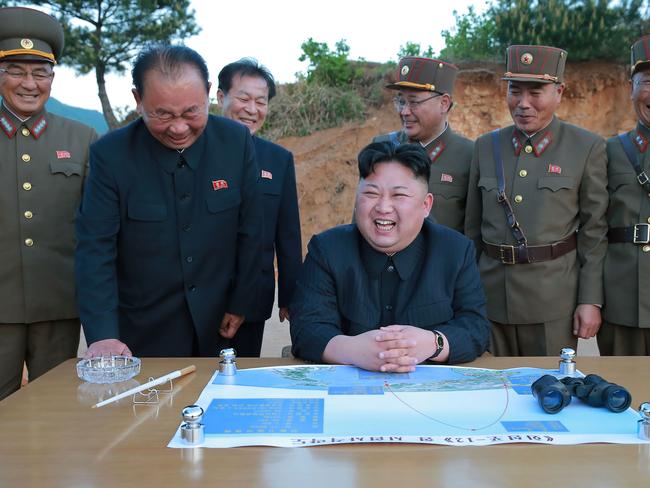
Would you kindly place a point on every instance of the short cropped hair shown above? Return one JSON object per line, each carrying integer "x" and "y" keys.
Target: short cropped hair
{"x": 170, "y": 61}
{"x": 245, "y": 67}
{"x": 413, "y": 156}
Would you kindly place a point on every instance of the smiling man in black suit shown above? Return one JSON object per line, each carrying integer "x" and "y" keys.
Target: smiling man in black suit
{"x": 393, "y": 289}
{"x": 245, "y": 89}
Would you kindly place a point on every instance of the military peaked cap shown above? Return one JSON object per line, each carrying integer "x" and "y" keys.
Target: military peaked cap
{"x": 640, "y": 55}
{"x": 424, "y": 74}
{"x": 29, "y": 35}
{"x": 540, "y": 64}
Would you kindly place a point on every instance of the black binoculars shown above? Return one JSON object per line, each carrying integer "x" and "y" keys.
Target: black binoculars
{"x": 553, "y": 394}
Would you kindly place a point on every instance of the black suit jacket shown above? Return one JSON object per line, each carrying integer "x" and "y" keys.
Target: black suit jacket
{"x": 281, "y": 227}
{"x": 335, "y": 295}
{"x": 168, "y": 247}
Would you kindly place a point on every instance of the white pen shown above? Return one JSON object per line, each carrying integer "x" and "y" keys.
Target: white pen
{"x": 150, "y": 384}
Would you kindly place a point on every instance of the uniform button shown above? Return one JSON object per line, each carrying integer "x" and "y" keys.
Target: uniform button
{"x": 528, "y": 149}
{"x": 389, "y": 307}
{"x": 27, "y": 186}
{"x": 184, "y": 197}
{"x": 28, "y": 214}
{"x": 519, "y": 199}
{"x": 649, "y": 220}
{"x": 646, "y": 248}
{"x": 523, "y": 173}
{"x": 29, "y": 242}
{"x": 26, "y": 157}
{"x": 25, "y": 131}
{"x": 187, "y": 228}
{"x": 189, "y": 259}
{"x": 390, "y": 269}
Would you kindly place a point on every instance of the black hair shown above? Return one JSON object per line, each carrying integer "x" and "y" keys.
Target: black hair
{"x": 245, "y": 67}
{"x": 413, "y": 156}
{"x": 169, "y": 60}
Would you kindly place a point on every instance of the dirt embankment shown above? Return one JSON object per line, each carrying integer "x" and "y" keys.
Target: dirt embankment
{"x": 597, "y": 97}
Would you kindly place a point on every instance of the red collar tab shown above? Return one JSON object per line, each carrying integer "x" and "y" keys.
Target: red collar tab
{"x": 436, "y": 151}
{"x": 7, "y": 126}
{"x": 543, "y": 143}
{"x": 39, "y": 127}
{"x": 640, "y": 141}
{"x": 516, "y": 144}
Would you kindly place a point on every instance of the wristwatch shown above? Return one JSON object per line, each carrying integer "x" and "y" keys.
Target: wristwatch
{"x": 440, "y": 345}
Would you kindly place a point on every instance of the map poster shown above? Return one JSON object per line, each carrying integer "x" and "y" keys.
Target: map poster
{"x": 299, "y": 406}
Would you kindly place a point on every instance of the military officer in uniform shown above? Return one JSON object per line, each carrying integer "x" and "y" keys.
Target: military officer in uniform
{"x": 536, "y": 211}
{"x": 245, "y": 89}
{"x": 424, "y": 89}
{"x": 626, "y": 315}
{"x": 42, "y": 170}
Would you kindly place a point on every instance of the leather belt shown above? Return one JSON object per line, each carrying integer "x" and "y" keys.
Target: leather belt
{"x": 636, "y": 234}
{"x": 508, "y": 254}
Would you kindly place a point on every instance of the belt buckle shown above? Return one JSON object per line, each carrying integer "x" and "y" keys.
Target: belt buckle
{"x": 642, "y": 178}
{"x": 504, "y": 249}
{"x": 640, "y": 240}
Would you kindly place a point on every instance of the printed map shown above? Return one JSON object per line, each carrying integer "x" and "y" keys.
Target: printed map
{"x": 296, "y": 406}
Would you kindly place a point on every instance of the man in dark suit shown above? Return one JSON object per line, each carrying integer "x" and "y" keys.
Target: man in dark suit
{"x": 170, "y": 223}
{"x": 245, "y": 89}
{"x": 394, "y": 289}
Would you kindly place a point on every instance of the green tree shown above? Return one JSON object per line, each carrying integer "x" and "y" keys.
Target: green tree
{"x": 588, "y": 29}
{"x": 471, "y": 38}
{"x": 330, "y": 68}
{"x": 105, "y": 35}
{"x": 414, "y": 49}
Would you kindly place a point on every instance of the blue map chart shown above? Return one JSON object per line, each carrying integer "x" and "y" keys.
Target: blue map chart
{"x": 298, "y": 406}
{"x": 265, "y": 416}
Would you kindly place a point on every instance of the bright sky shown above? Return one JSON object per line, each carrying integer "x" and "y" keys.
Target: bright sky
{"x": 272, "y": 32}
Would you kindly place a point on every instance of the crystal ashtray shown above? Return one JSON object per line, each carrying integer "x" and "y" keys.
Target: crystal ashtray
{"x": 108, "y": 369}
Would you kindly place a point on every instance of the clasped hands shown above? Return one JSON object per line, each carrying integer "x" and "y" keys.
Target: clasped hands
{"x": 390, "y": 349}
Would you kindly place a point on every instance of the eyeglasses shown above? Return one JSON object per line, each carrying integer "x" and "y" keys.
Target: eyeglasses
{"x": 642, "y": 83}
{"x": 166, "y": 117}
{"x": 18, "y": 74}
{"x": 401, "y": 103}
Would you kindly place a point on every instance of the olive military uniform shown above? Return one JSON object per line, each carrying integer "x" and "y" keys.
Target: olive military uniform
{"x": 627, "y": 265}
{"x": 451, "y": 155}
{"x": 555, "y": 181}
{"x": 626, "y": 315}
{"x": 42, "y": 172}
{"x": 42, "y": 168}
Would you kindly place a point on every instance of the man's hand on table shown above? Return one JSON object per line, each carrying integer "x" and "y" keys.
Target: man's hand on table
{"x": 366, "y": 350}
{"x": 107, "y": 347}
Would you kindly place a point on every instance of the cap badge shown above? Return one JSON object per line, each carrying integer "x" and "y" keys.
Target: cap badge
{"x": 526, "y": 58}
{"x": 405, "y": 70}
{"x": 26, "y": 43}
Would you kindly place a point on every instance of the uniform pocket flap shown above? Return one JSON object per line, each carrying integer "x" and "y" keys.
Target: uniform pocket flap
{"x": 269, "y": 190}
{"x": 487, "y": 183}
{"x": 68, "y": 168}
{"x": 223, "y": 200}
{"x": 448, "y": 190}
{"x": 148, "y": 212}
{"x": 555, "y": 183}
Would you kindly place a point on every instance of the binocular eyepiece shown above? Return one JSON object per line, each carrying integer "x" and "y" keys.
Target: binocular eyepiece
{"x": 553, "y": 394}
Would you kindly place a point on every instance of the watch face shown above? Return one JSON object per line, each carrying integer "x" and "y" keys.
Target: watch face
{"x": 440, "y": 345}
